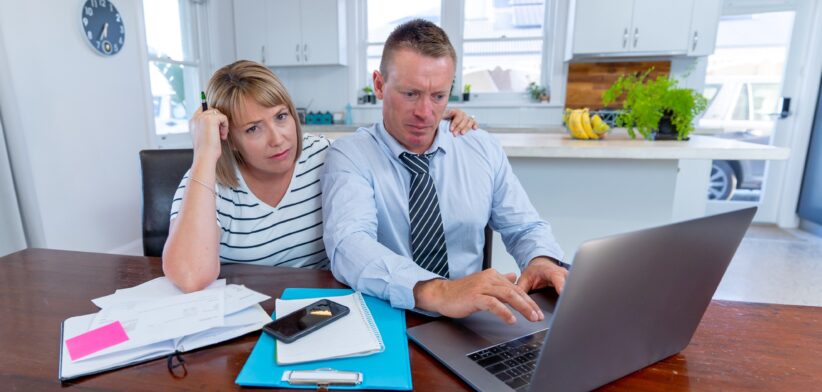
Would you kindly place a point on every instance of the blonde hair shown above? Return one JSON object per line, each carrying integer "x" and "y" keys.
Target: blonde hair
{"x": 225, "y": 92}
{"x": 422, "y": 37}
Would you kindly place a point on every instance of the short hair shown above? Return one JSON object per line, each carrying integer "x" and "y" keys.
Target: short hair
{"x": 420, "y": 36}
{"x": 225, "y": 92}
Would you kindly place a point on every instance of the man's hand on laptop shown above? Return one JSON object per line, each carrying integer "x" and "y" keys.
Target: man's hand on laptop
{"x": 542, "y": 272}
{"x": 487, "y": 290}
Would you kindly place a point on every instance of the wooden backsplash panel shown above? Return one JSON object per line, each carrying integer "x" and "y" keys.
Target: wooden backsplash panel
{"x": 587, "y": 81}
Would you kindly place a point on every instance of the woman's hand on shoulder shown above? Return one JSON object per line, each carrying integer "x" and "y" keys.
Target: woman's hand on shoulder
{"x": 207, "y": 130}
{"x": 461, "y": 122}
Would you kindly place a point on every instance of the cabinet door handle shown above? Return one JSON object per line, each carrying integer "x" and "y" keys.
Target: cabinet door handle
{"x": 696, "y": 40}
{"x": 305, "y": 52}
{"x": 624, "y": 37}
{"x": 636, "y": 36}
{"x": 262, "y": 54}
{"x": 297, "y": 52}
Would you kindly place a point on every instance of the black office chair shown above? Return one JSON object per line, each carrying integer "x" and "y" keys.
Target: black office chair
{"x": 486, "y": 250}
{"x": 162, "y": 171}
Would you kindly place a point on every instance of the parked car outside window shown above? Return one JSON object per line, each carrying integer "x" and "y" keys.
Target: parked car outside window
{"x": 741, "y": 108}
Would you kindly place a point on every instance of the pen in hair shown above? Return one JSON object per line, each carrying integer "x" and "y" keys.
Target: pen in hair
{"x": 203, "y": 100}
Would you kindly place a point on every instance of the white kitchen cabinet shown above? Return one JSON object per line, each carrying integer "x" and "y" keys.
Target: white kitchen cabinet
{"x": 601, "y": 27}
{"x": 661, "y": 26}
{"x": 704, "y": 25}
{"x": 250, "y": 29}
{"x": 291, "y": 32}
{"x": 625, "y": 28}
{"x": 323, "y": 31}
{"x": 283, "y": 35}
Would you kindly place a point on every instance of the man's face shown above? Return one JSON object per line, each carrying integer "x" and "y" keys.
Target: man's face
{"x": 414, "y": 96}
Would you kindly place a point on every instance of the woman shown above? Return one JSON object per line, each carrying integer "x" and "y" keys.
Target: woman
{"x": 255, "y": 168}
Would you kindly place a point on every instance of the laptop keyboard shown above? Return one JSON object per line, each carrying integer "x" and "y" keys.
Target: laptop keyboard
{"x": 514, "y": 361}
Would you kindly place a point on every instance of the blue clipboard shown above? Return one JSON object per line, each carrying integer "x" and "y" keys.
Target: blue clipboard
{"x": 390, "y": 369}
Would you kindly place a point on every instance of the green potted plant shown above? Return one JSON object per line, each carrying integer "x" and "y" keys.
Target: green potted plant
{"x": 537, "y": 92}
{"x": 657, "y": 108}
{"x": 369, "y": 95}
{"x": 466, "y": 92}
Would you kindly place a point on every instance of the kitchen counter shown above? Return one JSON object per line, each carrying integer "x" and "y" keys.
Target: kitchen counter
{"x": 334, "y": 128}
{"x": 620, "y": 146}
{"x": 331, "y": 129}
{"x": 617, "y": 145}
{"x": 555, "y": 129}
{"x": 593, "y": 188}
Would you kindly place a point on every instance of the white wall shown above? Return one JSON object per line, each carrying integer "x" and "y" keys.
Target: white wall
{"x": 74, "y": 122}
{"x": 12, "y": 238}
{"x": 220, "y": 25}
{"x": 318, "y": 88}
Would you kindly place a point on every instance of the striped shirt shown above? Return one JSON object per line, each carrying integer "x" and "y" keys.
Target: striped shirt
{"x": 286, "y": 235}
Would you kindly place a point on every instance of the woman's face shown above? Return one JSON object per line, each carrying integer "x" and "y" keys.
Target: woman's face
{"x": 266, "y": 137}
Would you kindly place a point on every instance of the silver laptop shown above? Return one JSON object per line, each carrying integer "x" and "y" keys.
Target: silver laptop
{"x": 630, "y": 300}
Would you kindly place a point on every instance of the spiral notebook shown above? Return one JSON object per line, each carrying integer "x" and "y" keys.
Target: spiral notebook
{"x": 355, "y": 334}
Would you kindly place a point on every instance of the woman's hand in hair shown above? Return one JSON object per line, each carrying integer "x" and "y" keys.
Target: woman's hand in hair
{"x": 461, "y": 122}
{"x": 207, "y": 130}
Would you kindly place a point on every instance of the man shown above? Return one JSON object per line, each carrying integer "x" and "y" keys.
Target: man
{"x": 405, "y": 203}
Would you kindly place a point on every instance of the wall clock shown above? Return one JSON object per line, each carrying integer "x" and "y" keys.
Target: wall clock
{"x": 103, "y": 26}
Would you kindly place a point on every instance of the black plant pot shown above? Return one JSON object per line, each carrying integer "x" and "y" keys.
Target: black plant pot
{"x": 466, "y": 97}
{"x": 372, "y": 98}
{"x": 667, "y": 130}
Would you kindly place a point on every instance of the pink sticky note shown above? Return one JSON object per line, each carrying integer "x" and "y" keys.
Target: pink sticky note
{"x": 96, "y": 340}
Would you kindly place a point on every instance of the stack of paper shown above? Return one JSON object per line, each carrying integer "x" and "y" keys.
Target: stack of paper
{"x": 156, "y": 319}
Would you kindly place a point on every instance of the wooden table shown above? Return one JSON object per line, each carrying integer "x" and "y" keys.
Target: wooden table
{"x": 738, "y": 346}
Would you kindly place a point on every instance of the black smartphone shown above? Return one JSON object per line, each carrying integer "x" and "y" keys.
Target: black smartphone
{"x": 306, "y": 320}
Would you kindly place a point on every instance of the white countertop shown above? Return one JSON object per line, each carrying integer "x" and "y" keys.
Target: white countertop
{"x": 323, "y": 129}
{"x": 535, "y": 145}
{"x": 617, "y": 145}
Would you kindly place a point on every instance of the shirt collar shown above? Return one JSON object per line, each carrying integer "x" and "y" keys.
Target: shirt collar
{"x": 443, "y": 141}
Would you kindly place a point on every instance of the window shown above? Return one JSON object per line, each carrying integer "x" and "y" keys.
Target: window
{"x": 718, "y": 102}
{"x": 742, "y": 108}
{"x": 502, "y": 44}
{"x": 385, "y": 15}
{"x": 173, "y": 63}
{"x": 499, "y": 44}
{"x": 765, "y": 98}
{"x": 709, "y": 92}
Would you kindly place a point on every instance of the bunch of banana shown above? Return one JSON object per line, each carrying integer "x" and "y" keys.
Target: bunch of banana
{"x": 584, "y": 126}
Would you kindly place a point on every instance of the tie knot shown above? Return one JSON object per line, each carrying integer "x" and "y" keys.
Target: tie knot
{"x": 416, "y": 164}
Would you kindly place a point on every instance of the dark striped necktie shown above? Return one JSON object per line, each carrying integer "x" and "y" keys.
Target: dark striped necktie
{"x": 427, "y": 236}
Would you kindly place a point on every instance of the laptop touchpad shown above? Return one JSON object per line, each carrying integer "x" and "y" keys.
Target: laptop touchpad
{"x": 491, "y": 327}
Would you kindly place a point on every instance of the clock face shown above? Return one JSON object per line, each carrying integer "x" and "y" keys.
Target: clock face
{"x": 103, "y": 26}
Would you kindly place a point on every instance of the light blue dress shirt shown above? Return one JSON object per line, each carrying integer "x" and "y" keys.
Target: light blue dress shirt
{"x": 365, "y": 210}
